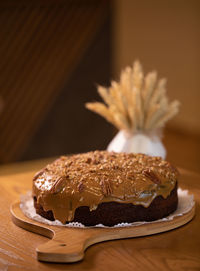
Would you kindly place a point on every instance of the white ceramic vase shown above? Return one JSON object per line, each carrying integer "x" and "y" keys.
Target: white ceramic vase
{"x": 138, "y": 143}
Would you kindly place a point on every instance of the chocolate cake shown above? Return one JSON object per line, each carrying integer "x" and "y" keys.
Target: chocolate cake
{"x": 106, "y": 188}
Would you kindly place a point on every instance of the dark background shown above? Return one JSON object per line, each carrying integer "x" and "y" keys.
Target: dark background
{"x": 53, "y": 54}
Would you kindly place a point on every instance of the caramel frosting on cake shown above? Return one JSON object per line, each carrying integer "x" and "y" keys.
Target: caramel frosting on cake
{"x": 91, "y": 178}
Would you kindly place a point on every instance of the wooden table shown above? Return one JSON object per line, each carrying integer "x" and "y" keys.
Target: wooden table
{"x": 175, "y": 250}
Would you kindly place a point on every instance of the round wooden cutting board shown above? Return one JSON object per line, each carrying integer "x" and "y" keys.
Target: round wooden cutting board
{"x": 69, "y": 244}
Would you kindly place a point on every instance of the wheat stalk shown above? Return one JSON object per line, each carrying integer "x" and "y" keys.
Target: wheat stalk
{"x": 136, "y": 102}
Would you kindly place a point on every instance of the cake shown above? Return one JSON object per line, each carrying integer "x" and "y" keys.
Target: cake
{"x": 106, "y": 188}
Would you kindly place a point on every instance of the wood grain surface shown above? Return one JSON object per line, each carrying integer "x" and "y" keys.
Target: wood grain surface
{"x": 174, "y": 250}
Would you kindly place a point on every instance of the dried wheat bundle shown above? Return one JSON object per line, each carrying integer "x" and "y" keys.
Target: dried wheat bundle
{"x": 136, "y": 103}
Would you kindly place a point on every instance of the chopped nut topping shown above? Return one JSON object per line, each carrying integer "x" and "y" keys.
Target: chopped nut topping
{"x": 104, "y": 171}
{"x": 106, "y": 187}
{"x": 58, "y": 185}
{"x": 38, "y": 174}
{"x": 151, "y": 175}
{"x": 80, "y": 187}
{"x": 88, "y": 160}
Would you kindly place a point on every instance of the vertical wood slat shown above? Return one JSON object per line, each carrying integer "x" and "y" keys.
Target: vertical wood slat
{"x": 39, "y": 53}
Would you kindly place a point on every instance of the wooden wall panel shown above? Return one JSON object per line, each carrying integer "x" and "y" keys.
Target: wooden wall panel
{"x": 41, "y": 44}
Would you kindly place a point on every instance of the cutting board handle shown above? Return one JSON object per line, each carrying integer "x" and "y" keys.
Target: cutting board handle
{"x": 63, "y": 247}
{"x": 69, "y": 246}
